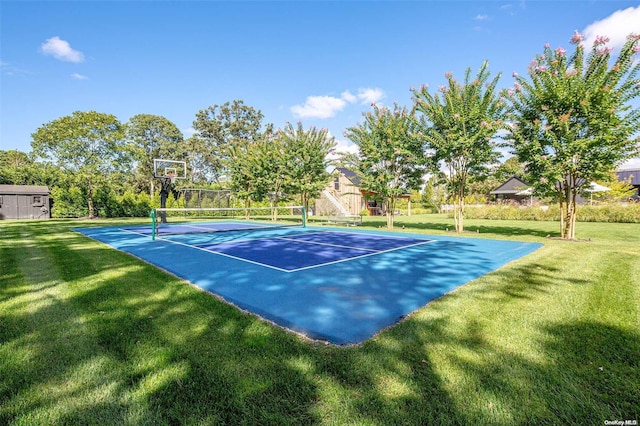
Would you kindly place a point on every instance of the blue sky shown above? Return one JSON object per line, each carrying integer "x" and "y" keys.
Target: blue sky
{"x": 321, "y": 63}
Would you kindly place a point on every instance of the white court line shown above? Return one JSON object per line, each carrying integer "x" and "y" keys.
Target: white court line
{"x": 364, "y": 255}
{"x": 245, "y": 240}
{"x": 223, "y": 254}
{"x": 374, "y": 253}
{"x": 324, "y": 244}
{"x": 134, "y": 232}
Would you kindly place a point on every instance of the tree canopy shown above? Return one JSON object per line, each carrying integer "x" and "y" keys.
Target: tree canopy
{"x": 459, "y": 125}
{"x": 219, "y": 128}
{"x": 571, "y": 120}
{"x": 153, "y": 136}
{"x": 87, "y": 145}
{"x": 307, "y": 152}
{"x": 391, "y": 155}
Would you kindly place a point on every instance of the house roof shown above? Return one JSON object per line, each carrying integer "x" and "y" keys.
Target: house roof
{"x": 351, "y": 175}
{"x": 511, "y": 186}
{"x": 23, "y": 190}
{"x": 634, "y": 174}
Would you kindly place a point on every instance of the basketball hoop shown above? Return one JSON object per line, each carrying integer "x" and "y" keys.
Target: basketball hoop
{"x": 172, "y": 178}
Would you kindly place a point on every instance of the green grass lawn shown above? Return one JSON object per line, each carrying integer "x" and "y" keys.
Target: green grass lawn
{"x": 90, "y": 335}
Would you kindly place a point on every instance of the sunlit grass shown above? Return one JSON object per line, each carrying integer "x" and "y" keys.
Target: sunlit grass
{"x": 89, "y": 335}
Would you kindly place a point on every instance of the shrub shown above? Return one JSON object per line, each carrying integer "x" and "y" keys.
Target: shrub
{"x": 68, "y": 201}
{"x": 613, "y": 212}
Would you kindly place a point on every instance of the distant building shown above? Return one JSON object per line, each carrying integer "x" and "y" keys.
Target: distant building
{"x": 24, "y": 202}
{"x": 344, "y": 196}
{"x": 632, "y": 176}
{"x": 514, "y": 189}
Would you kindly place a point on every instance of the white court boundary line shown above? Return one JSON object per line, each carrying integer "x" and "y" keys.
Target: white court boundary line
{"x": 364, "y": 255}
{"x": 373, "y": 252}
{"x": 323, "y": 244}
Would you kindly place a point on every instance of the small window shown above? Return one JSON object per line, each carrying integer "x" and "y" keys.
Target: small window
{"x": 37, "y": 200}
{"x": 336, "y": 184}
{"x": 0, "y": 199}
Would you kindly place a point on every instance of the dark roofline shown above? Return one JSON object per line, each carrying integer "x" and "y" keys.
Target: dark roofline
{"x": 511, "y": 189}
{"x": 351, "y": 175}
{"x": 24, "y": 189}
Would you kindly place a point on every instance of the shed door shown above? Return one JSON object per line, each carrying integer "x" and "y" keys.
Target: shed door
{"x": 25, "y": 211}
{"x": 9, "y": 207}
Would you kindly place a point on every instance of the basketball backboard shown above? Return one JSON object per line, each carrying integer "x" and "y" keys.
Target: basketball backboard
{"x": 169, "y": 169}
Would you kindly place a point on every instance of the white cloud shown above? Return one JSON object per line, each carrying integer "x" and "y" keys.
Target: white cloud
{"x": 343, "y": 147}
{"x": 481, "y": 17}
{"x": 329, "y": 106}
{"x": 617, "y": 27}
{"x": 348, "y": 96}
{"x": 77, "y": 76}
{"x": 370, "y": 95}
{"x": 319, "y": 107}
{"x": 61, "y": 50}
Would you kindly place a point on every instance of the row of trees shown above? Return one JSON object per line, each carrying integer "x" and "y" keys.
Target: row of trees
{"x": 569, "y": 122}
{"x": 93, "y": 151}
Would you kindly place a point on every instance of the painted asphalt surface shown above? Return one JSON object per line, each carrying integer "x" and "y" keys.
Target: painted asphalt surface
{"x": 329, "y": 284}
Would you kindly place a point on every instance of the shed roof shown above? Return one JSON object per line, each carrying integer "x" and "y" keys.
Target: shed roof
{"x": 24, "y": 190}
{"x": 351, "y": 175}
{"x": 511, "y": 186}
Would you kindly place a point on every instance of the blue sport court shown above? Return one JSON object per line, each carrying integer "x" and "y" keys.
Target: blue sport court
{"x": 341, "y": 286}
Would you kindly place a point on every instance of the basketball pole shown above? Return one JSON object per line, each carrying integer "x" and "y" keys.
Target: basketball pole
{"x": 167, "y": 182}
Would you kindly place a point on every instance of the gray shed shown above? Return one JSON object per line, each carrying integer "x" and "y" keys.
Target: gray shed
{"x": 24, "y": 202}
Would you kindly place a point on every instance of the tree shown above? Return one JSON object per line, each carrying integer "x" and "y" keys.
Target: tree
{"x": 306, "y": 157}
{"x": 391, "y": 156}
{"x": 246, "y": 171}
{"x": 571, "y": 121}
{"x": 459, "y": 126}
{"x": 88, "y": 145}
{"x": 153, "y": 136}
{"x": 218, "y": 128}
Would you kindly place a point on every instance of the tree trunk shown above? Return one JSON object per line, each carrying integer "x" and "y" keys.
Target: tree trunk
{"x": 90, "y": 201}
{"x": 390, "y": 207}
{"x": 568, "y": 213}
{"x": 458, "y": 213}
{"x": 458, "y": 208}
{"x": 562, "y": 216}
{"x": 304, "y": 199}
{"x": 571, "y": 217}
{"x": 247, "y": 205}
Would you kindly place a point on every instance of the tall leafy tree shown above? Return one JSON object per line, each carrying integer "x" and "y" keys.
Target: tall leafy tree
{"x": 459, "y": 125}
{"x": 88, "y": 145}
{"x": 153, "y": 136}
{"x": 246, "y": 170}
{"x": 572, "y": 122}
{"x": 391, "y": 154}
{"x": 306, "y": 157}
{"x": 272, "y": 166}
{"x": 219, "y": 128}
